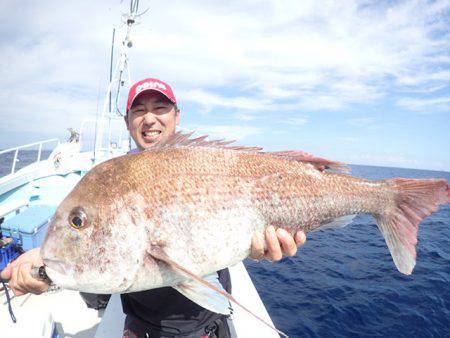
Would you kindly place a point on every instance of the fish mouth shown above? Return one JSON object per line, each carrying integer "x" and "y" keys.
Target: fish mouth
{"x": 55, "y": 265}
{"x": 59, "y": 274}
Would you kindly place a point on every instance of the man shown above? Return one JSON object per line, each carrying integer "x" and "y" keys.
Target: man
{"x": 152, "y": 117}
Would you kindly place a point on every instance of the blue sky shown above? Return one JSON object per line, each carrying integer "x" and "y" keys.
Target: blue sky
{"x": 363, "y": 82}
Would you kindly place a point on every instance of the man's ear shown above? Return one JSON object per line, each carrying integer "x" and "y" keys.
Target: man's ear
{"x": 177, "y": 116}
{"x": 126, "y": 121}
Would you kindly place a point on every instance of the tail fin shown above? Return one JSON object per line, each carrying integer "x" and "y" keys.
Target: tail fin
{"x": 415, "y": 200}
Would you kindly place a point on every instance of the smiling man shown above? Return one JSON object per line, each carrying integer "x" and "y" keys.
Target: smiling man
{"x": 152, "y": 112}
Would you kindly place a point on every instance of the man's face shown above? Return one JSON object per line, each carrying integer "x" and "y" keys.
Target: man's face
{"x": 152, "y": 118}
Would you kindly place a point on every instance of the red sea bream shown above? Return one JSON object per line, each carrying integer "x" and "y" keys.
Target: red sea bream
{"x": 189, "y": 207}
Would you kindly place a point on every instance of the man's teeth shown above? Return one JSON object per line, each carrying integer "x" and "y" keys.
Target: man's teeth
{"x": 151, "y": 133}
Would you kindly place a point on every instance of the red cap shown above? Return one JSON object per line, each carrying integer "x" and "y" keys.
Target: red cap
{"x": 150, "y": 84}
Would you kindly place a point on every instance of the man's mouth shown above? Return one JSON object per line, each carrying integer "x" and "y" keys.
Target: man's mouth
{"x": 151, "y": 135}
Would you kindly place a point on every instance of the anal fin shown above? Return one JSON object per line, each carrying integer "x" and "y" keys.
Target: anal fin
{"x": 157, "y": 252}
{"x": 205, "y": 296}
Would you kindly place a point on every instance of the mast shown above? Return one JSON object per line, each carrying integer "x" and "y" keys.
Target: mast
{"x": 111, "y": 64}
{"x": 118, "y": 78}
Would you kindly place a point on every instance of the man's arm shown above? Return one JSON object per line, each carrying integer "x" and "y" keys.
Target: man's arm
{"x": 278, "y": 242}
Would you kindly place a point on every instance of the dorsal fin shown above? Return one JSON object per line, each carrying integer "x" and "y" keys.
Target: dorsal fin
{"x": 180, "y": 139}
{"x": 318, "y": 162}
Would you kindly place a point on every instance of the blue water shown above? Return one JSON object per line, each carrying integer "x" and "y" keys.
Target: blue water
{"x": 343, "y": 282}
{"x": 24, "y": 158}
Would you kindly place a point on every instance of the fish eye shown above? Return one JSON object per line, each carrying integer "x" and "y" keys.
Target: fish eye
{"x": 78, "y": 219}
{"x": 77, "y": 222}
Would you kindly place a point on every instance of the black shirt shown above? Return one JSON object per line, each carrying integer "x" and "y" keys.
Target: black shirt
{"x": 165, "y": 310}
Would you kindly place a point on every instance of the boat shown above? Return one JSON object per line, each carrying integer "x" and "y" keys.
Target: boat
{"x": 29, "y": 197}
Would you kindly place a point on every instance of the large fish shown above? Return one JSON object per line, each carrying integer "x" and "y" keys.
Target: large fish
{"x": 184, "y": 209}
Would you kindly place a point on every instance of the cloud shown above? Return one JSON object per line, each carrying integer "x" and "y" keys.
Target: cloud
{"x": 210, "y": 100}
{"x": 361, "y": 121}
{"x": 428, "y": 77}
{"x": 244, "y": 116}
{"x": 319, "y": 56}
{"x": 37, "y": 110}
{"x": 295, "y": 121}
{"x": 428, "y": 104}
{"x": 229, "y": 132}
{"x": 389, "y": 160}
{"x": 427, "y": 89}
{"x": 242, "y": 57}
{"x": 347, "y": 139}
{"x": 322, "y": 58}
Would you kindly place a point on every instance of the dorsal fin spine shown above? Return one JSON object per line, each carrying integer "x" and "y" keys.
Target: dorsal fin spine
{"x": 180, "y": 139}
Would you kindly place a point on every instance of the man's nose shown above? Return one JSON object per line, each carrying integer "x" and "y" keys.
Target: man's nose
{"x": 149, "y": 117}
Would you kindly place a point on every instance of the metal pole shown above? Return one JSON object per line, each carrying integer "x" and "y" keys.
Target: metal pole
{"x": 39, "y": 152}
{"x": 111, "y": 65}
{"x": 14, "y": 161}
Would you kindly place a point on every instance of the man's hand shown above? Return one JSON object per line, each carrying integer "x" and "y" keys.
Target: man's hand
{"x": 278, "y": 242}
{"x": 19, "y": 274}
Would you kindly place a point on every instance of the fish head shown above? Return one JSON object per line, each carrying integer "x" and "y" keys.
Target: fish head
{"x": 94, "y": 243}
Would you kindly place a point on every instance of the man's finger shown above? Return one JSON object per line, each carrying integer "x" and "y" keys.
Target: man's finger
{"x": 300, "y": 238}
{"x": 22, "y": 275}
{"x": 257, "y": 249}
{"x": 273, "y": 246}
{"x": 287, "y": 242}
{"x": 6, "y": 273}
{"x": 29, "y": 284}
{"x": 13, "y": 283}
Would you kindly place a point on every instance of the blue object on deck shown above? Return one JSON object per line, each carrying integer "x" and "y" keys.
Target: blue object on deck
{"x": 29, "y": 227}
{"x": 55, "y": 333}
{"x": 8, "y": 253}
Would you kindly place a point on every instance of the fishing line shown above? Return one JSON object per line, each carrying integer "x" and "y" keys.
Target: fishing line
{"x": 8, "y": 300}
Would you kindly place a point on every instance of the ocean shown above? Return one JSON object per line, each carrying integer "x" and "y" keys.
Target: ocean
{"x": 24, "y": 158}
{"x": 343, "y": 282}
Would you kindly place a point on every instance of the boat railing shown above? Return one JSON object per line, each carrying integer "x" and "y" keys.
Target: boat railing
{"x": 115, "y": 136}
{"x": 16, "y": 150}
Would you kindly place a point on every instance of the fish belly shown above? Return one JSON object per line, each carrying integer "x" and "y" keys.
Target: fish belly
{"x": 199, "y": 239}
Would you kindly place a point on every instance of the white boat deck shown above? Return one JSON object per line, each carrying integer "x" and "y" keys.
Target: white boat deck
{"x": 38, "y": 315}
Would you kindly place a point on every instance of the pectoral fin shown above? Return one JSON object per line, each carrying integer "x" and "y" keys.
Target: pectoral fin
{"x": 157, "y": 252}
{"x": 204, "y": 296}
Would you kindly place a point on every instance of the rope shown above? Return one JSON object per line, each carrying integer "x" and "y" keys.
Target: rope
{"x": 8, "y": 299}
